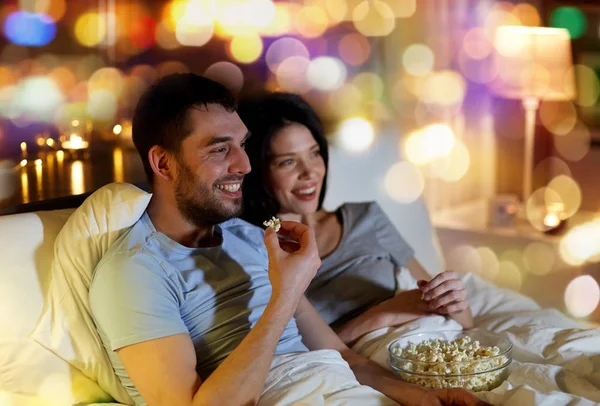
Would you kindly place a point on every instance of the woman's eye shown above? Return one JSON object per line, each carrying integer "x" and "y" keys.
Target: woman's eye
{"x": 286, "y": 162}
{"x": 315, "y": 153}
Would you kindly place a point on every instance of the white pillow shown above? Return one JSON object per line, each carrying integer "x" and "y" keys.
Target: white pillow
{"x": 66, "y": 326}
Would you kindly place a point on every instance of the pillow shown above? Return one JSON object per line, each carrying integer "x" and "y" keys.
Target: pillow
{"x": 66, "y": 327}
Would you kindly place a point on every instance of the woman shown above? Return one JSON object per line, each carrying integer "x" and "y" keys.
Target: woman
{"x": 359, "y": 247}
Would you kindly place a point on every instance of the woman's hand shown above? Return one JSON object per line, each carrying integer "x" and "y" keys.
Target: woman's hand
{"x": 444, "y": 294}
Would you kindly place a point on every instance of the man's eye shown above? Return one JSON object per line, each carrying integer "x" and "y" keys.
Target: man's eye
{"x": 220, "y": 150}
{"x": 286, "y": 162}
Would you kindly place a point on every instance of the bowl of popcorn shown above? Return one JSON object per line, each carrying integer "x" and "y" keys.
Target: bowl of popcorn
{"x": 476, "y": 360}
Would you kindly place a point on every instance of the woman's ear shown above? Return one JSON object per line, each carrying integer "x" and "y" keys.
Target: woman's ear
{"x": 161, "y": 162}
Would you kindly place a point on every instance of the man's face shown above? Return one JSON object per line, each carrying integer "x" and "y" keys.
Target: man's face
{"x": 211, "y": 165}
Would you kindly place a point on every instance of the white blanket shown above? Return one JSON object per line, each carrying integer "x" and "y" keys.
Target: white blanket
{"x": 556, "y": 360}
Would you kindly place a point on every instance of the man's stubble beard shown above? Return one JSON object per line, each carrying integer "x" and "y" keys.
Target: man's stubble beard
{"x": 198, "y": 204}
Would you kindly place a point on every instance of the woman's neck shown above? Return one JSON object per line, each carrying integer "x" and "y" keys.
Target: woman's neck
{"x": 311, "y": 219}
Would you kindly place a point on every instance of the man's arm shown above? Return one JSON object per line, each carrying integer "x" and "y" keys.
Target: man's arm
{"x": 164, "y": 370}
{"x": 317, "y": 335}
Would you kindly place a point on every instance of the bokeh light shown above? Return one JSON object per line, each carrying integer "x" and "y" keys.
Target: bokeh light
{"x": 538, "y": 205}
{"x": 165, "y": 37}
{"x": 355, "y": 134}
{"x": 246, "y": 49}
{"x": 90, "y": 29}
{"x": 466, "y": 259}
{"x": 291, "y": 74}
{"x": 588, "y": 88}
{"x": 282, "y": 20}
{"x": 454, "y": 166}
{"x": 142, "y": 32}
{"x": 570, "y": 18}
{"x": 476, "y": 44}
{"x": 354, "y": 49}
{"x": 29, "y": 29}
{"x": 337, "y": 10}
{"x": 558, "y": 117}
{"x": 171, "y": 67}
{"x": 549, "y": 168}
{"x": 582, "y": 296}
{"x": 282, "y": 49}
{"x": 489, "y": 263}
{"x": 569, "y": 192}
{"x": 509, "y": 275}
{"x": 539, "y": 258}
{"x": 374, "y": 18}
{"x": 527, "y": 14}
{"x": 445, "y": 88}
{"x": 403, "y": 182}
{"x": 403, "y": 8}
{"x": 37, "y": 98}
{"x": 110, "y": 79}
{"x": 226, "y": 73}
{"x": 429, "y": 143}
{"x": 54, "y": 8}
{"x": 311, "y": 21}
{"x": 575, "y": 145}
{"x": 326, "y": 73}
{"x": 345, "y": 101}
{"x": 102, "y": 105}
{"x": 370, "y": 85}
{"x": 418, "y": 59}
{"x": 580, "y": 244}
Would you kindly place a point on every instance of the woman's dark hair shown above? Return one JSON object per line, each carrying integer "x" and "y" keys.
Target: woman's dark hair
{"x": 265, "y": 116}
{"x": 161, "y": 115}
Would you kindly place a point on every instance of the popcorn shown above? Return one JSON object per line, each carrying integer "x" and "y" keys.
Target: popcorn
{"x": 451, "y": 359}
{"x": 274, "y": 223}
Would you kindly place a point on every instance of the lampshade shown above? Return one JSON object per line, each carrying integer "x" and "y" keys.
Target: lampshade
{"x": 534, "y": 62}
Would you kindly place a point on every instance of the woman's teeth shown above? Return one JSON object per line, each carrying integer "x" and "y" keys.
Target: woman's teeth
{"x": 230, "y": 188}
{"x": 308, "y": 191}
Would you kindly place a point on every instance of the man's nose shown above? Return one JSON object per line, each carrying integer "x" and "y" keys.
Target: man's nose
{"x": 241, "y": 163}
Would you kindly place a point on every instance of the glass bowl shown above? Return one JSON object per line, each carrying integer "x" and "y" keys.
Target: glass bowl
{"x": 476, "y": 375}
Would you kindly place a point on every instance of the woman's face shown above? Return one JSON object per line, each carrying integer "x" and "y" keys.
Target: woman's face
{"x": 296, "y": 170}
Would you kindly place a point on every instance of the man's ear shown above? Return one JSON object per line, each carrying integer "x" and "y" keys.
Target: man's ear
{"x": 162, "y": 163}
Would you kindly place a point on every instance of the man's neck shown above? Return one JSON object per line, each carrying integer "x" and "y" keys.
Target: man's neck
{"x": 167, "y": 219}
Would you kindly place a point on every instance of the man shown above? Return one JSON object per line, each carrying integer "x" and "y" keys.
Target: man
{"x": 189, "y": 307}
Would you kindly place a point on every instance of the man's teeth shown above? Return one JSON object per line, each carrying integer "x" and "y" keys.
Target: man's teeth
{"x": 307, "y": 191}
{"x": 230, "y": 188}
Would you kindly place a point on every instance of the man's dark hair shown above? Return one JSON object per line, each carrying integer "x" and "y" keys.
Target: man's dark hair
{"x": 161, "y": 115}
{"x": 264, "y": 116}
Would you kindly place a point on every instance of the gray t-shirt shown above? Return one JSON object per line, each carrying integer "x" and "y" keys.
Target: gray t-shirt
{"x": 148, "y": 286}
{"x": 361, "y": 271}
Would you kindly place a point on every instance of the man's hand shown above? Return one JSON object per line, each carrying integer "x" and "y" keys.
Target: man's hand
{"x": 293, "y": 261}
{"x": 444, "y": 294}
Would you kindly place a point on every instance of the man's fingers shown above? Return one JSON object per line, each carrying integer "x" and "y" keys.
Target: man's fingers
{"x": 439, "y": 279}
{"x": 299, "y": 232}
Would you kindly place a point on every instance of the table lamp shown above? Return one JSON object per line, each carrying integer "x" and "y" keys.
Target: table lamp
{"x": 534, "y": 64}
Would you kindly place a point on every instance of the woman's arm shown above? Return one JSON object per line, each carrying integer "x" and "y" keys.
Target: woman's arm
{"x": 444, "y": 294}
{"x": 402, "y": 308}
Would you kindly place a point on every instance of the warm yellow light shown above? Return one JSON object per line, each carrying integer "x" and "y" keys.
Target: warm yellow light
{"x": 580, "y": 244}
{"x": 246, "y": 49}
{"x": 38, "y": 162}
{"x": 117, "y": 129}
{"x": 75, "y": 123}
{"x": 539, "y": 258}
{"x": 588, "y": 87}
{"x": 355, "y": 134}
{"x": 509, "y": 275}
{"x": 23, "y": 163}
{"x": 569, "y": 192}
{"x": 489, "y": 263}
{"x": 582, "y": 296}
{"x": 118, "y": 165}
{"x": 77, "y": 178}
{"x": 558, "y": 117}
{"x": 354, "y": 49}
{"x": 456, "y": 164}
{"x": 445, "y": 88}
{"x": 374, "y": 18}
{"x": 403, "y": 182}
{"x": 468, "y": 259}
{"x": 23, "y": 146}
{"x": 193, "y": 33}
{"x": 429, "y": 143}
{"x": 370, "y": 85}
{"x": 226, "y": 73}
{"x": 90, "y": 29}
{"x": 102, "y": 105}
{"x": 110, "y": 79}
{"x": 40, "y": 141}
{"x": 336, "y": 9}
{"x": 311, "y": 21}
{"x": 575, "y": 145}
{"x": 50, "y": 142}
{"x": 418, "y": 59}
{"x": 345, "y": 101}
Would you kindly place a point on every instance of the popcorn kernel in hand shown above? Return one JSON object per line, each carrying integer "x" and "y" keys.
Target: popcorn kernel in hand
{"x": 274, "y": 223}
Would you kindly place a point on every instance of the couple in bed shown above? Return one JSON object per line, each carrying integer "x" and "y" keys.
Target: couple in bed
{"x": 193, "y": 304}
